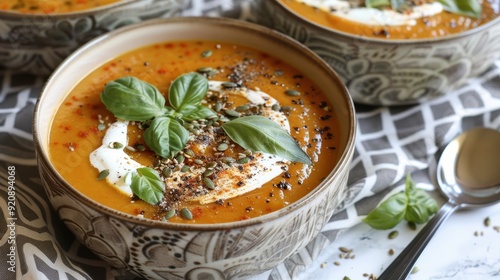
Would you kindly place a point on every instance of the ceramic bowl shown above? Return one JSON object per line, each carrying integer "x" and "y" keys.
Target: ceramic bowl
{"x": 38, "y": 43}
{"x": 391, "y": 72}
{"x": 156, "y": 249}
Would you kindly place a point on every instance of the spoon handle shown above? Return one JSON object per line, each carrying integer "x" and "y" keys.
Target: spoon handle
{"x": 403, "y": 264}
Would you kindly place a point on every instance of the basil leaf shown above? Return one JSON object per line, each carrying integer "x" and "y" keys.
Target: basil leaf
{"x": 197, "y": 112}
{"x": 166, "y": 136}
{"x": 470, "y": 8}
{"x": 147, "y": 185}
{"x": 131, "y": 99}
{"x": 377, "y": 3}
{"x": 389, "y": 213}
{"x": 187, "y": 89}
{"x": 260, "y": 134}
{"x": 420, "y": 204}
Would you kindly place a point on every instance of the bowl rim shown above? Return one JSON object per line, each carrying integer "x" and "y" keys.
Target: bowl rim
{"x": 75, "y": 14}
{"x": 407, "y": 42}
{"x": 342, "y": 163}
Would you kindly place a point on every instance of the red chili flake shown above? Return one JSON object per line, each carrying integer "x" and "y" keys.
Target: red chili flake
{"x": 79, "y": 112}
{"x": 83, "y": 134}
{"x": 94, "y": 129}
{"x": 197, "y": 212}
{"x": 187, "y": 53}
{"x": 244, "y": 217}
{"x": 183, "y": 45}
{"x": 68, "y": 104}
{"x": 74, "y": 98}
{"x": 162, "y": 71}
{"x": 169, "y": 46}
{"x": 65, "y": 127}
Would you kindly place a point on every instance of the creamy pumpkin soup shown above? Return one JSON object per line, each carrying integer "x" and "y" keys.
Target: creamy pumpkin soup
{"x": 51, "y": 6}
{"x": 195, "y": 132}
{"x": 400, "y": 19}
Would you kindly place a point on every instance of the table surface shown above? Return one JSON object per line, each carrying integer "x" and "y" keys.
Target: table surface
{"x": 391, "y": 142}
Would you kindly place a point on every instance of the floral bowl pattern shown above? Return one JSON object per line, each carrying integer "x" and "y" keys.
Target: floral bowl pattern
{"x": 38, "y": 43}
{"x": 395, "y": 72}
{"x": 162, "y": 250}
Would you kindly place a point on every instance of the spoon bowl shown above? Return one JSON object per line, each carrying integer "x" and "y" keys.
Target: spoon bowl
{"x": 467, "y": 173}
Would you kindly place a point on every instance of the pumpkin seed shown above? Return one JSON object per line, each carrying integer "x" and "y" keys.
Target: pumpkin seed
{"x": 232, "y": 113}
{"x": 208, "y": 183}
{"x": 287, "y": 108}
{"x": 391, "y": 252}
{"x": 169, "y": 214}
{"x": 393, "y": 234}
{"x": 487, "y": 222}
{"x": 204, "y": 70}
{"x": 218, "y": 106}
{"x": 115, "y": 145}
{"x": 222, "y": 147}
{"x": 242, "y": 108}
{"x": 198, "y": 161}
{"x": 211, "y": 165}
{"x": 292, "y": 92}
{"x": 414, "y": 270}
{"x": 103, "y": 174}
{"x": 188, "y": 126}
{"x": 185, "y": 168}
{"x": 276, "y": 107}
{"x": 180, "y": 158}
{"x": 345, "y": 250}
{"x": 139, "y": 147}
{"x": 186, "y": 214}
{"x": 412, "y": 225}
{"x": 189, "y": 153}
{"x": 206, "y": 53}
{"x": 243, "y": 160}
{"x": 228, "y": 159}
{"x": 208, "y": 172}
{"x": 167, "y": 171}
{"x": 229, "y": 85}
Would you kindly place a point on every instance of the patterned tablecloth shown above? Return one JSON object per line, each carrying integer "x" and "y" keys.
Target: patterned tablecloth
{"x": 391, "y": 142}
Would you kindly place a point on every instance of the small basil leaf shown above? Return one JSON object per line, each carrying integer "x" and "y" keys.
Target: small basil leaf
{"x": 377, "y": 3}
{"x": 389, "y": 213}
{"x": 197, "y": 112}
{"x": 166, "y": 136}
{"x": 471, "y": 8}
{"x": 147, "y": 185}
{"x": 187, "y": 89}
{"x": 420, "y": 206}
{"x": 260, "y": 134}
{"x": 131, "y": 99}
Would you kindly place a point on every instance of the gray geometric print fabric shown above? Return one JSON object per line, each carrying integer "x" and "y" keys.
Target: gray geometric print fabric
{"x": 391, "y": 143}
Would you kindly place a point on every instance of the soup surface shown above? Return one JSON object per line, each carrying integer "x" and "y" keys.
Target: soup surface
{"x": 437, "y": 25}
{"x": 51, "y": 6}
{"x": 83, "y": 120}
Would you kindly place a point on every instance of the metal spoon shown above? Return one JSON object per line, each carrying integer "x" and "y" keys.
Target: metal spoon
{"x": 468, "y": 173}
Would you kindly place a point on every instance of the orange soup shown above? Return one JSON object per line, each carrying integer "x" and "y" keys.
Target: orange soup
{"x": 51, "y": 6}
{"x": 438, "y": 25}
{"x": 200, "y": 177}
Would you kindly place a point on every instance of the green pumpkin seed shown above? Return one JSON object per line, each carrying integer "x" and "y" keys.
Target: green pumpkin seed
{"x": 103, "y": 174}
{"x": 180, "y": 158}
{"x": 229, "y": 85}
{"x": 167, "y": 172}
{"x": 211, "y": 165}
{"x": 287, "y": 108}
{"x": 186, "y": 214}
{"x": 208, "y": 183}
{"x": 169, "y": 214}
{"x": 139, "y": 148}
{"x": 292, "y": 92}
{"x": 204, "y": 70}
{"x": 189, "y": 153}
{"x": 232, "y": 113}
{"x": 242, "y": 108}
{"x": 222, "y": 147}
{"x": 228, "y": 159}
{"x": 185, "y": 168}
{"x": 218, "y": 106}
{"x": 198, "y": 161}
{"x": 188, "y": 126}
{"x": 115, "y": 145}
{"x": 487, "y": 222}
{"x": 243, "y": 160}
{"x": 393, "y": 234}
{"x": 206, "y": 53}
{"x": 208, "y": 172}
{"x": 276, "y": 107}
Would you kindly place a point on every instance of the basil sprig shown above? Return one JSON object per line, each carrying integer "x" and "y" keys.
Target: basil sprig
{"x": 147, "y": 185}
{"x": 257, "y": 133}
{"x": 132, "y": 99}
{"x": 414, "y": 205}
{"x": 470, "y": 8}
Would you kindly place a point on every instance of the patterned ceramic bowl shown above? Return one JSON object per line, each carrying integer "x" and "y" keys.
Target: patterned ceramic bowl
{"x": 395, "y": 72}
{"x": 38, "y": 43}
{"x": 156, "y": 249}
